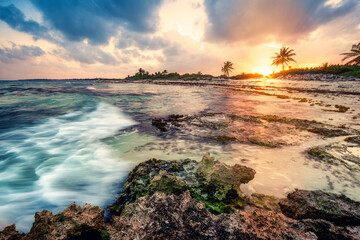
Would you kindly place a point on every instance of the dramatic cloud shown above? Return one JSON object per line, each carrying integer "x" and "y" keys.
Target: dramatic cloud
{"x": 20, "y": 52}
{"x": 98, "y": 20}
{"x": 16, "y": 20}
{"x": 85, "y": 54}
{"x": 114, "y": 38}
{"x": 258, "y": 21}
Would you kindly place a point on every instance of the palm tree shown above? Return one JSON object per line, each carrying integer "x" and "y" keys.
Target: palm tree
{"x": 227, "y": 68}
{"x": 284, "y": 57}
{"x": 354, "y": 53}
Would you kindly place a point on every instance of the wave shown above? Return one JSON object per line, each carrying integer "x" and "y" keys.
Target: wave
{"x": 58, "y": 161}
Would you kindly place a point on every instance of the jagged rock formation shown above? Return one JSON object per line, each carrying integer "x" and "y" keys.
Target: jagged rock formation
{"x": 191, "y": 200}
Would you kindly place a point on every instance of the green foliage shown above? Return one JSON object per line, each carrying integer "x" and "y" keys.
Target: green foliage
{"x": 336, "y": 69}
{"x": 142, "y": 74}
{"x": 227, "y": 68}
{"x": 354, "y": 54}
{"x": 283, "y": 57}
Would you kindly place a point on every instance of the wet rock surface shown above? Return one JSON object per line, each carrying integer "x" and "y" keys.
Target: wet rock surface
{"x": 269, "y": 131}
{"x": 164, "y": 216}
{"x": 10, "y": 233}
{"x": 74, "y": 223}
{"x": 214, "y": 183}
{"x": 199, "y": 200}
{"x": 339, "y": 209}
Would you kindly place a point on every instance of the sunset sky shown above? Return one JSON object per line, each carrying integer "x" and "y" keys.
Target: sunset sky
{"x": 113, "y": 38}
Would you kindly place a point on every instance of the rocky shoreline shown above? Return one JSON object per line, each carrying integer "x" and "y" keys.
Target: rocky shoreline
{"x": 199, "y": 200}
{"x": 319, "y": 77}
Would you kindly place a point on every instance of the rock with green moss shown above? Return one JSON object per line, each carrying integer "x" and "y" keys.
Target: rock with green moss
{"x": 224, "y": 139}
{"x": 231, "y": 177}
{"x": 321, "y": 154}
{"x": 214, "y": 183}
{"x": 344, "y": 156}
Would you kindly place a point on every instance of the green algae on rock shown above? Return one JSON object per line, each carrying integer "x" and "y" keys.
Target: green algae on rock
{"x": 178, "y": 199}
{"x": 224, "y": 139}
{"x": 214, "y": 183}
{"x": 343, "y": 157}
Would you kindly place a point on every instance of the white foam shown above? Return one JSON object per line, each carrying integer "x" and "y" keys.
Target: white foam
{"x": 59, "y": 161}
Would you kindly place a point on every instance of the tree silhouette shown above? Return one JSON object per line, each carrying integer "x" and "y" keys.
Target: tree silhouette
{"x": 227, "y": 68}
{"x": 284, "y": 57}
{"x": 354, "y": 53}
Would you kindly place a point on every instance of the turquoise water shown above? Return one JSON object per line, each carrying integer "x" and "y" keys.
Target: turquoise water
{"x": 76, "y": 141}
{"x": 66, "y": 141}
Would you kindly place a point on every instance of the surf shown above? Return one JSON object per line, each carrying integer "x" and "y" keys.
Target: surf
{"x": 60, "y": 160}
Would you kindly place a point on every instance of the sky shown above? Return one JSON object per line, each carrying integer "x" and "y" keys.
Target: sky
{"x": 114, "y": 38}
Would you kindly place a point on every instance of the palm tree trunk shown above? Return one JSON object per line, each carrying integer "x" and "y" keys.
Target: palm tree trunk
{"x": 282, "y": 67}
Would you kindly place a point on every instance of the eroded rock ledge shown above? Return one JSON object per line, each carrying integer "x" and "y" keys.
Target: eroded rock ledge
{"x": 191, "y": 200}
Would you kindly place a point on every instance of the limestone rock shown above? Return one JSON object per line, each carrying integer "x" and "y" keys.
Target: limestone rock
{"x": 74, "y": 223}
{"x": 220, "y": 173}
{"x": 162, "y": 216}
{"x": 303, "y": 204}
{"x": 10, "y": 233}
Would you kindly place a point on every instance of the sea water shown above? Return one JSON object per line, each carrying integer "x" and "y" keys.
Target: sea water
{"x": 76, "y": 141}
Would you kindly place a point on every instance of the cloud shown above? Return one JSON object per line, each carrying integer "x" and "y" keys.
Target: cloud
{"x": 19, "y": 52}
{"x": 98, "y": 20}
{"x": 258, "y": 21}
{"x": 85, "y": 53}
{"x": 143, "y": 42}
{"x": 16, "y": 19}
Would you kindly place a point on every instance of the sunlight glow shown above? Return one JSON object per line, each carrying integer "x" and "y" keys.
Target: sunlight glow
{"x": 264, "y": 71}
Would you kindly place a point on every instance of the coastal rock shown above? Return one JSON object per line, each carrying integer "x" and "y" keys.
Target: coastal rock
{"x": 214, "y": 183}
{"x": 329, "y": 231}
{"x": 74, "y": 223}
{"x": 190, "y": 200}
{"x": 304, "y": 204}
{"x": 222, "y": 174}
{"x": 355, "y": 140}
{"x": 10, "y": 233}
{"x": 167, "y": 216}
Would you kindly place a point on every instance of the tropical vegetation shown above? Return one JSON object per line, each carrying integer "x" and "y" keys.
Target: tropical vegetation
{"x": 283, "y": 57}
{"x": 354, "y": 54}
{"x": 336, "y": 69}
{"x": 142, "y": 74}
{"x": 227, "y": 68}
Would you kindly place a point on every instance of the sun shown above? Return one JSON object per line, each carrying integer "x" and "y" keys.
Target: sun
{"x": 264, "y": 71}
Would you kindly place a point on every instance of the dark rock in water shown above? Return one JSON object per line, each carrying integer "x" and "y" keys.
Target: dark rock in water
{"x": 224, "y": 139}
{"x": 339, "y": 209}
{"x": 75, "y": 223}
{"x": 160, "y": 124}
{"x": 355, "y": 139}
{"x": 10, "y": 233}
{"x": 162, "y": 216}
{"x": 329, "y": 132}
{"x": 328, "y": 231}
{"x": 321, "y": 154}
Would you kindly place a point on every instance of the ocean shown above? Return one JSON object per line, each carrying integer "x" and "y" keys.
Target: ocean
{"x": 64, "y": 141}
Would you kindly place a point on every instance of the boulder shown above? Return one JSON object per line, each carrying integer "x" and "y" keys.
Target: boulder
{"x": 10, "y": 233}
{"x": 304, "y": 204}
{"x": 75, "y": 223}
{"x": 167, "y": 216}
{"x": 223, "y": 174}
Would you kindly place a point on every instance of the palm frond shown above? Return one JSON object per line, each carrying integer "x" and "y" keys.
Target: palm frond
{"x": 354, "y": 53}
